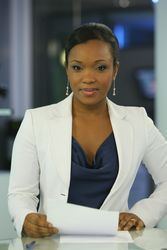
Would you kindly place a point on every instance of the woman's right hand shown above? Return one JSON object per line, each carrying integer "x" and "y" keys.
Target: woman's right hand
{"x": 36, "y": 226}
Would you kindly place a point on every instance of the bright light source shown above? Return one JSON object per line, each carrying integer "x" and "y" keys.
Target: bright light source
{"x": 119, "y": 31}
{"x": 155, "y": 1}
{"x": 62, "y": 57}
{"x": 124, "y": 3}
{"x": 5, "y": 112}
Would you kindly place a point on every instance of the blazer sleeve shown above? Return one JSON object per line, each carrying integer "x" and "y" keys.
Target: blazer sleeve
{"x": 24, "y": 176}
{"x": 153, "y": 208}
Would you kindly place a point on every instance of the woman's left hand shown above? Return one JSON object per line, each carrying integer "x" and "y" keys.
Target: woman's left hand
{"x": 129, "y": 221}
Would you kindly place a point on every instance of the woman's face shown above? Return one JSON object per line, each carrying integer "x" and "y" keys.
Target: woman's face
{"x": 90, "y": 71}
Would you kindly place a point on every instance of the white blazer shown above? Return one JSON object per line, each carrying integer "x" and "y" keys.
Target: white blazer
{"x": 41, "y": 160}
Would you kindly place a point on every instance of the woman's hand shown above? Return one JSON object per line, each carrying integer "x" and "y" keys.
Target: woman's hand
{"x": 36, "y": 226}
{"x": 128, "y": 221}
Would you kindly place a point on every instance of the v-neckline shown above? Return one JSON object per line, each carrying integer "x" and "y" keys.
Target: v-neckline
{"x": 98, "y": 149}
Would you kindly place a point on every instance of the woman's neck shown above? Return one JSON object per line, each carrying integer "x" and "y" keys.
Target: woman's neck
{"x": 99, "y": 109}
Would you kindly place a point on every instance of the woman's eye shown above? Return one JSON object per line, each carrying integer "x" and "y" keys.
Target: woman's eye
{"x": 101, "y": 67}
{"x": 76, "y": 68}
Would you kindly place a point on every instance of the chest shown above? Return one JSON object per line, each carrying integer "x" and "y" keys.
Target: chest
{"x": 90, "y": 134}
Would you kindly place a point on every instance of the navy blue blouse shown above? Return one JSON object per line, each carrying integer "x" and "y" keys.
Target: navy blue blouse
{"x": 90, "y": 185}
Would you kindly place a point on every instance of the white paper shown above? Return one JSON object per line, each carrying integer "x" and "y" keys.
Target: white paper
{"x": 74, "y": 219}
{"x": 120, "y": 237}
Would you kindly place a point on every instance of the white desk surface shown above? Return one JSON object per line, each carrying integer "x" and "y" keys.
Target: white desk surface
{"x": 149, "y": 239}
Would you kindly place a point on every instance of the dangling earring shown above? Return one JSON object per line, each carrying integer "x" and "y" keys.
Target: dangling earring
{"x": 114, "y": 88}
{"x": 67, "y": 88}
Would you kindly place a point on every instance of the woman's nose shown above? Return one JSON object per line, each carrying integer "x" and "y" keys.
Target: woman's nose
{"x": 88, "y": 77}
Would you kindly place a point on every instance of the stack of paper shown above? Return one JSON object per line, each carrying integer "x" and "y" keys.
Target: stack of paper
{"x": 82, "y": 224}
{"x": 74, "y": 219}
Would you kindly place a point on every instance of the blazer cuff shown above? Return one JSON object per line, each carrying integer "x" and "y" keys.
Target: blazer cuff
{"x": 19, "y": 221}
{"x": 143, "y": 211}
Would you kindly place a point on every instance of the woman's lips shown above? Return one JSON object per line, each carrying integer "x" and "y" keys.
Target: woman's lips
{"x": 89, "y": 91}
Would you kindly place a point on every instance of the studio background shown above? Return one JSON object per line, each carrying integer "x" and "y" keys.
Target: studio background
{"x": 32, "y": 74}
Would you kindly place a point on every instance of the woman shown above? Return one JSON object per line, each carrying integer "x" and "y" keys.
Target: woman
{"x": 85, "y": 149}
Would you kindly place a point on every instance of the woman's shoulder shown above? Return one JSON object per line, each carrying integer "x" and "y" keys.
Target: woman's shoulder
{"x": 128, "y": 111}
{"x": 43, "y": 109}
{"x": 60, "y": 108}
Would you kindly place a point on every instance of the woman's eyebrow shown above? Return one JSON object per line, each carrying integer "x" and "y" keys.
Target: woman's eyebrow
{"x": 96, "y": 61}
{"x": 100, "y": 60}
{"x": 75, "y": 61}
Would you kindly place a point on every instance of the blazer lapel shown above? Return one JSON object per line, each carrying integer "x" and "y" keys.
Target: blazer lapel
{"x": 60, "y": 141}
{"x": 123, "y": 133}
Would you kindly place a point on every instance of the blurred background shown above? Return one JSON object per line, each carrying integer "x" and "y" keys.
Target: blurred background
{"x": 32, "y": 74}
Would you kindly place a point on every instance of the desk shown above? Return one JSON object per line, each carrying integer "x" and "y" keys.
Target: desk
{"x": 150, "y": 239}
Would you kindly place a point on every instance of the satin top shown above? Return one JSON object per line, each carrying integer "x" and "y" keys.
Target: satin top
{"x": 90, "y": 185}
